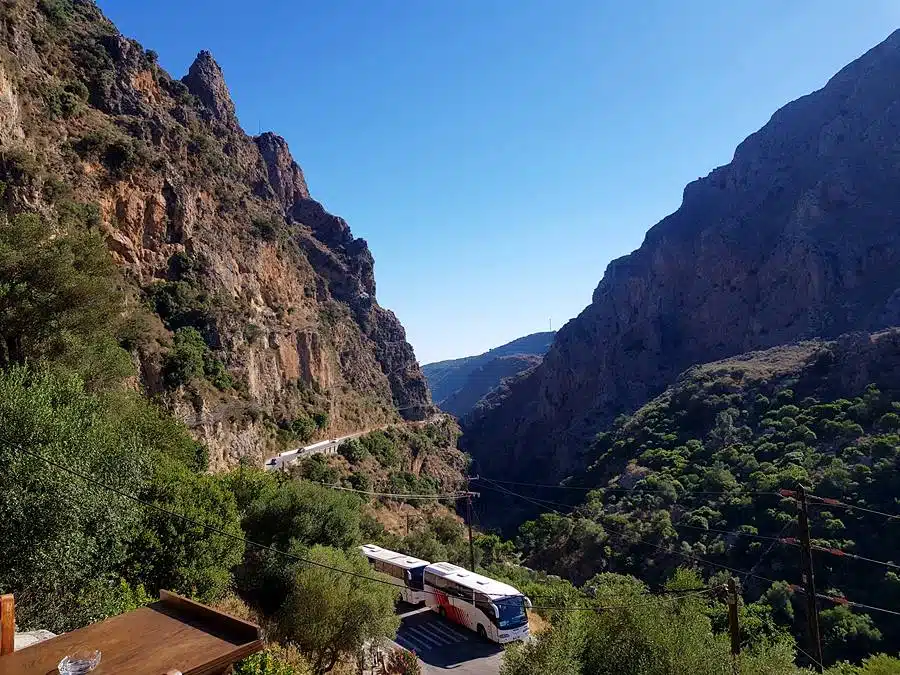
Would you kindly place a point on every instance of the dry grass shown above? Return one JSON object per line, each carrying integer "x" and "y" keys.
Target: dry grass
{"x": 233, "y": 605}
{"x": 536, "y": 623}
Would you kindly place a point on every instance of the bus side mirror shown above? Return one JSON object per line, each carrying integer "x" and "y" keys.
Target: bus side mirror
{"x": 496, "y": 611}
{"x": 527, "y": 603}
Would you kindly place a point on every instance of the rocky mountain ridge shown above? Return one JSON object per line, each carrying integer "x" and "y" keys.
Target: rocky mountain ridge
{"x": 796, "y": 237}
{"x": 457, "y": 385}
{"x": 213, "y": 229}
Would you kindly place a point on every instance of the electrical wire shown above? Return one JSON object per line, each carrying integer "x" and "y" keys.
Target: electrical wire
{"x": 734, "y": 532}
{"x": 806, "y": 654}
{"x": 771, "y": 546}
{"x": 97, "y": 484}
{"x": 841, "y": 600}
{"x": 843, "y": 554}
{"x": 454, "y": 495}
{"x": 613, "y": 489}
{"x": 625, "y": 535}
{"x": 791, "y": 494}
{"x": 149, "y": 505}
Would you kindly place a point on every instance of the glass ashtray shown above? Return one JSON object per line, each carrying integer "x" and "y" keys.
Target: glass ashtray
{"x": 79, "y": 663}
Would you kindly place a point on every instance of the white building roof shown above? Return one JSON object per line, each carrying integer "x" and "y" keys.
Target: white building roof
{"x": 401, "y": 560}
{"x": 467, "y": 579}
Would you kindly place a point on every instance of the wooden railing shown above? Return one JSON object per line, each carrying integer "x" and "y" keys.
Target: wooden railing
{"x": 7, "y": 624}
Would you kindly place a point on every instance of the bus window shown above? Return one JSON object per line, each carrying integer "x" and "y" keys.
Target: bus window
{"x": 483, "y": 603}
{"x": 415, "y": 578}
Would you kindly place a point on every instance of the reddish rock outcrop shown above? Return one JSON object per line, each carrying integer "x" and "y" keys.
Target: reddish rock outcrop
{"x": 283, "y": 292}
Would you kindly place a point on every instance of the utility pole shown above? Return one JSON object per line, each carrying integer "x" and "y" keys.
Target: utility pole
{"x": 809, "y": 580}
{"x": 469, "y": 495}
{"x": 469, "y": 519}
{"x": 407, "y": 524}
{"x": 733, "y": 626}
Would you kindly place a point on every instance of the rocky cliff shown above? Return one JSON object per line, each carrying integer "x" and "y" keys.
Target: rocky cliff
{"x": 213, "y": 230}
{"x": 796, "y": 237}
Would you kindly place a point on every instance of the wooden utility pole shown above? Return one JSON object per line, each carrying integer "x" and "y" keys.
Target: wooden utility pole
{"x": 733, "y": 626}
{"x": 469, "y": 519}
{"x": 809, "y": 581}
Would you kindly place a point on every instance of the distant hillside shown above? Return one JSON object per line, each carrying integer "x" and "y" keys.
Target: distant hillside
{"x": 485, "y": 380}
{"x": 461, "y": 383}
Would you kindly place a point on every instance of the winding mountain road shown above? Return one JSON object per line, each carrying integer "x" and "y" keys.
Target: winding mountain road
{"x": 326, "y": 447}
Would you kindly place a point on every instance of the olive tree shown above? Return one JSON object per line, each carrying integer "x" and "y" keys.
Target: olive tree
{"x": 328, "y": 614}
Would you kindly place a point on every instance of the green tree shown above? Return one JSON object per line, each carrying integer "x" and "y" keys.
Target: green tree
{"x": 185, "y": 554}
{"x": 58, "y": 298}
{"x": 191, "y": 358}
{"x": 64, "y": 540}
{"x": 299, "y": 511}
{"x": 848, "y": 635}
{"x": 303, "y": 428}
{"x": 353, "y": 450}
{"x": 556, "y": 651}
{"x": 328, "y": 614}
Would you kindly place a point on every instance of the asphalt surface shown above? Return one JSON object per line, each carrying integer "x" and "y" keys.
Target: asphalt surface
{"x": 444, "y": 647}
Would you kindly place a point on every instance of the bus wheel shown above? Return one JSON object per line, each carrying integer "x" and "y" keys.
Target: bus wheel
{"x": 482, "y": 633}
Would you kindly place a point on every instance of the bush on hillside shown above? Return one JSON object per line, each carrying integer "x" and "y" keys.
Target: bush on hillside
{"x": 190, "y": 556}
{"x": 64, "y": 542}
{"x": 328, "y": 615}
{"x": 190, "y": 359}
{"x": 60, "y": 301}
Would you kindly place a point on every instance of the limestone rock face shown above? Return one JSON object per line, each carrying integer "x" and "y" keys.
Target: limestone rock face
{"x": 206, "y": 81}
{"x": 796, "y": 238}
{"x": 223, "y": 224}
{"x": 285, "y": 177}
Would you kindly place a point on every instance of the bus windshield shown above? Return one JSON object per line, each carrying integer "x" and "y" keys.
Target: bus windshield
{"x": 511, "y": 612}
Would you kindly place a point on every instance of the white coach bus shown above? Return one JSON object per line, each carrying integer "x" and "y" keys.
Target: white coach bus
{"x": 407, "y": 569}
{"x": 496, "y": 611}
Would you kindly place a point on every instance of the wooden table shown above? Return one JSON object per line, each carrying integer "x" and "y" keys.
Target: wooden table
{"x": 174, "y": 633}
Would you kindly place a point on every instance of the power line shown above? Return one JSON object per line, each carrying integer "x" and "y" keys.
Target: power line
{"x": 628, "y": 490}
{"x": 834, "y": 502}
{"x": 98, "y": 484}
{"x": 454, "y": 495}
{"x": 737, "y": 533}
{"x": 648, "y": 543}
{"x": 843, "y": 554}
{"x": 841, "y": 600}
{"x": 771, "y": 546}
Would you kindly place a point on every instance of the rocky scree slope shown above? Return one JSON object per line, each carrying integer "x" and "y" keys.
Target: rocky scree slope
{"x": 212, "y": 229}
{"x": 458, "y": 384}
{"x": 796, "y": 237}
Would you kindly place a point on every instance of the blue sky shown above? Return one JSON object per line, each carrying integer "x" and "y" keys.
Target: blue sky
{"x": 497, "y": 154}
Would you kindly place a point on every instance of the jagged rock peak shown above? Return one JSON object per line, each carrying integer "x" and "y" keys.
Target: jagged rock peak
{"x": 206, "y": 81}
{"x": 285, "y": 176}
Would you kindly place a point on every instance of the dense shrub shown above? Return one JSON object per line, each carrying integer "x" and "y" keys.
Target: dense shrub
{"x": 328, "y": 614}
{"x": 191, "y": 358}
{"x": 188, "y": 556}
{"x": 59, "y": 12}
{"x": 119, "y": 153}
{"x": 58, "y": 298}
{"x": 181, "y": 304}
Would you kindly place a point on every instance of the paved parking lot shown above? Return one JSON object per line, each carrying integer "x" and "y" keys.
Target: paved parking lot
{"x": 443, "y": 647}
